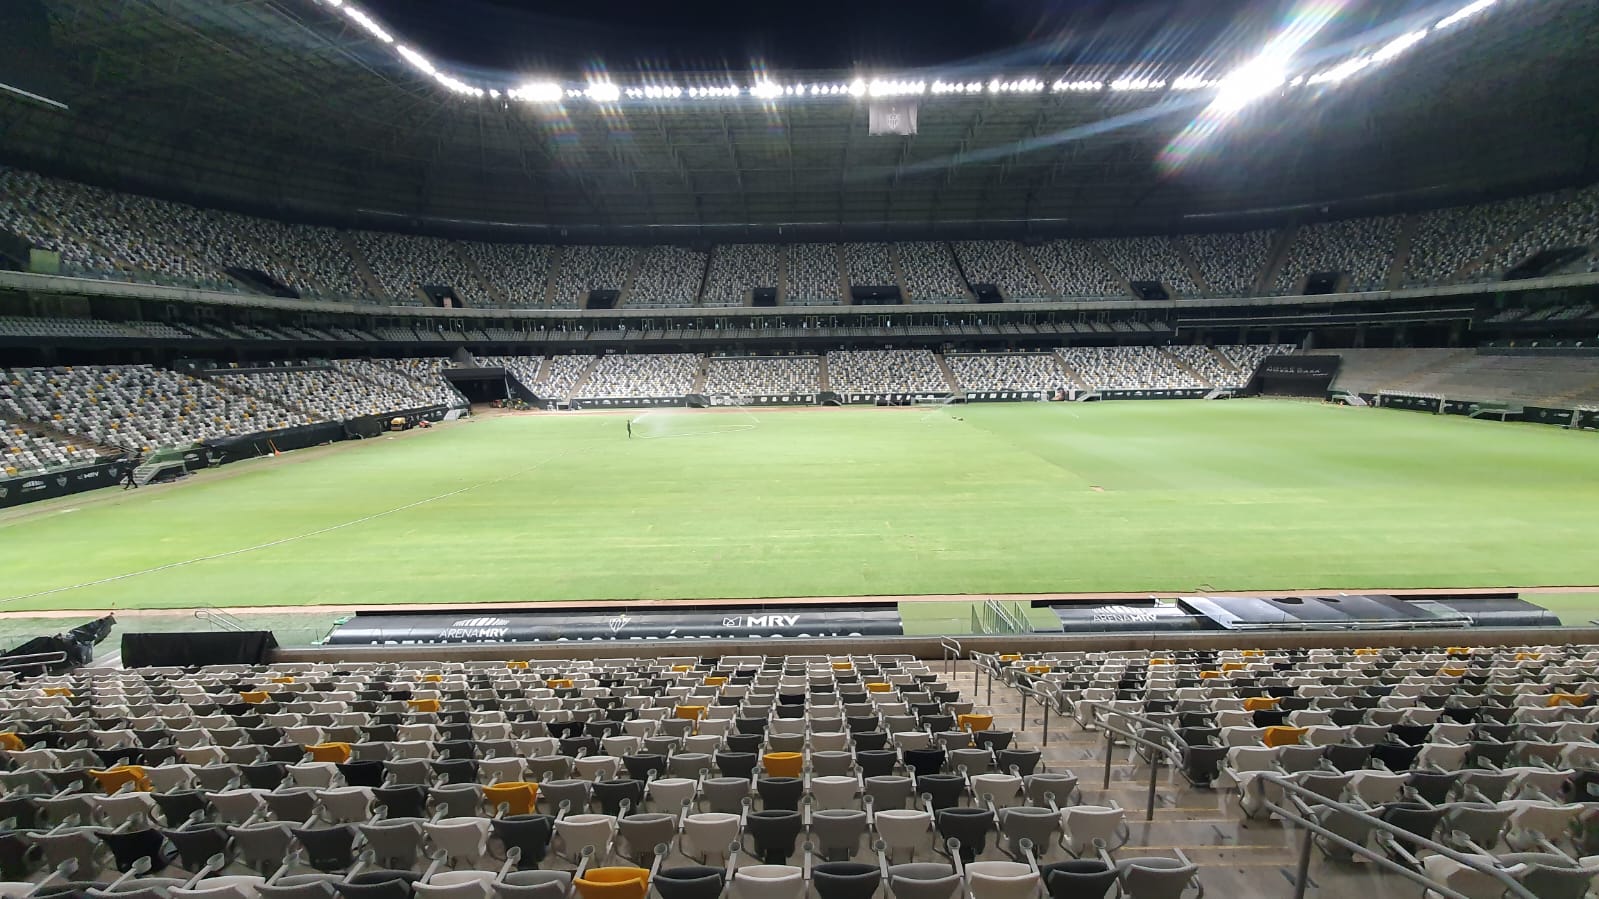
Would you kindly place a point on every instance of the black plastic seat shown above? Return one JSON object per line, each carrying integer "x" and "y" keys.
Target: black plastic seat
{"x": 1078, "y": 879}
{"x": 689, "y": 882}
{"x": 924, "y": 761}
{"x": 780, "y": 792}
{"x": 529, "y": 833}
{"x": 197, "y": 843}
{"x": 612, "y": 793}
{"x": 127, "y": 847}
{"x": 945, "y": 790}
{"x": 846, "y": 880}
{"x": 774, "y": 833}
{"x": 970, "y": 826}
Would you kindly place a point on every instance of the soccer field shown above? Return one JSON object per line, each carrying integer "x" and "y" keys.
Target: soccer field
{"x": 1126, "y": 496}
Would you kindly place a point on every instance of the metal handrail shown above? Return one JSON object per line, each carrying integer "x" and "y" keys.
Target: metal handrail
{"x": 225, "y": 620}
{"x": 1173, "y": 756}
{"x": 952, "y": 651}
{"x": 32, "y": 660}
{"x": 1299, "y": 794}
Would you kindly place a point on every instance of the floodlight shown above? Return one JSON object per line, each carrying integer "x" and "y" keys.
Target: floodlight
{"x": 1249, "y": 82}
{"x": 857, "y": 88}
{"x": 367, "y": 23}
{"x": 1398, "y": 45}
{"x": 765, "y": 90}
{"x": 1464, "y": 13}
{"x": 603, "y": 92}
{"x": 539, "y": 92}
{"x": 415, "y": 59}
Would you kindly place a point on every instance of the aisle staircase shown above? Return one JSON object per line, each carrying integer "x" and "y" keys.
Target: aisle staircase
{"x": 471, "y": 266}
{"x": 1402, "y": 247}
{"x": 583, "y": 378}
{"x": 362, "y": 267}
{"x": 1267, "y": 282}
{"x": 1038, "y": 273}
{"x": 1074, "y": 379}
{"x": 1196, "y": 274}
{"x": 1186, "y": 369}
{"x": 949, "y": 374}
{"x": 822, "y": 384}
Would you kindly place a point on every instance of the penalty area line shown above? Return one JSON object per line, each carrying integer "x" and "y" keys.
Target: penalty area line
{"x": 280, "y": 541}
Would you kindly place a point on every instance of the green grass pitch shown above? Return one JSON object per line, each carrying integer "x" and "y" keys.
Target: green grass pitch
{"x": 1127, "y": 496}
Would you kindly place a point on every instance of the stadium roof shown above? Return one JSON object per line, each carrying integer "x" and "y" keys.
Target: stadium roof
{"x": 286, "y": 106}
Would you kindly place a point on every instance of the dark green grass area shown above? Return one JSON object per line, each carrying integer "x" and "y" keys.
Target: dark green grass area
{"x": 1129, "y": 496}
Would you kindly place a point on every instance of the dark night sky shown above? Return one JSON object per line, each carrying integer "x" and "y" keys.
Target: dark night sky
{"x": 699, "y": 35}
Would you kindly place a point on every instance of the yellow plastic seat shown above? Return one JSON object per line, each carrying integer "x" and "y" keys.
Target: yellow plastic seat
{"x": 971, "y": 722}
{"x": 1253, "y": 653}
{"x": 1160, "y": 661}
{"x": 1011, "y": 657}
{"x": 11, "y": 742}
{"x": 286, "y": 679}
{"x": 115, "y": 778}
{"x": 1208, "y": 675}
{"x": 715, "y": 681}
{"x": 691, "y": 712}
{"x": 1365, "y": 651}
{"x": 423, "y": 705}
{"x": 1458, "y": 651}
{"x": 254, "y": 697}
{"x": 1260, "y": 703}
{"x": 1233, "y": 666}
{"x": 1528, "y": 656}
{"x": 1039, "y": 669}
{"x": 681, "y": 668}
{"x": 783, "y": 764}
{"x": 1567, "y": 699}
{"x": 613, "y": 883}
{"x": 843, "y": 666}
{"x": 879, "y": 687}
{"x": 1452, "y": 671}
{"x": 337, "y": 753}
{"x": 518, "y": 794}
{"x": 517, "y": 665}
{"x": 432, "y": 678}
{"x": 58, "y": 691}
{"x": 1283, "y": 736}
{"x": 559, "y": 683}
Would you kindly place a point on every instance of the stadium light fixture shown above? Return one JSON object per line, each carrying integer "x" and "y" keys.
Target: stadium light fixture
{"x": 1398, "y": 45}
{"x": 1137, "y": 84}
{"x": 538, "y": 92}
{"x": 368, "y": 23}
{"x": 1464, "y": 13}
{"x": 603, "y": 92}
{"x": 1268, "y": 72}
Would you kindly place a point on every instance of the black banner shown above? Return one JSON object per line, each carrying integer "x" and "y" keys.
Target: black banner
{"x": 1178, "y": 393}
{"x": 1294, "y": 375}
{"x": 702, "y": 401}
{"x": 490, "y": 626}
{"x": 250, "y": 446}
{"x": 628, "y": 402}
{"x": 32, "y": 488}
{"x": 1008, "y": 396}
{"x": 196, "y": 649}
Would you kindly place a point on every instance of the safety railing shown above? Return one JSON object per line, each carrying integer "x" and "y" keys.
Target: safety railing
{"x": 32, "y": 660}
{"x": 952, "y": 652}
{"x": 1301, "y": 815}
{"x": 222, "y": 619}
{"x": 1172, "y": 754}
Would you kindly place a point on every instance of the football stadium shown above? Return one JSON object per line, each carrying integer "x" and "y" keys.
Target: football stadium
{"x": 492, "y": 450}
